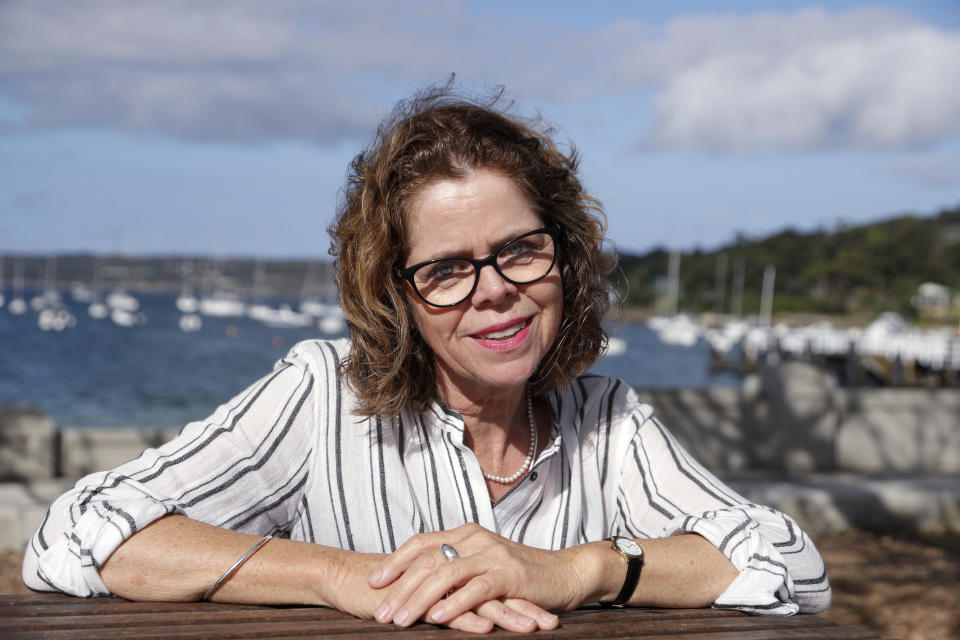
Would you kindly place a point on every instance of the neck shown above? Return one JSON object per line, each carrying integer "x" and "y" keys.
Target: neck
{"x": 496, "y": 426}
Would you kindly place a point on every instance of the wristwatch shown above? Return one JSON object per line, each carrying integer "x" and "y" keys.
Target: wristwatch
{"x": 633, "y": 553}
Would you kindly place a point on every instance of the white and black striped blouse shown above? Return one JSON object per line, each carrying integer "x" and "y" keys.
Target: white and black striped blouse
{"x": 289, "y": 457}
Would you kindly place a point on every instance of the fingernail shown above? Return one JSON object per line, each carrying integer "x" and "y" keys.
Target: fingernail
{"x": 382, "y": 611}
{"x": 524, "y": 620}
{"x": 376, "y": 576}
{"x": 437, "y": 614}
{"x": 548, "y": 618}
{"x": 401, "y": 616}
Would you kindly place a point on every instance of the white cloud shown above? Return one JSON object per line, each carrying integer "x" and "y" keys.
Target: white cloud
{"x": 324, "y": 71}
{"x": 237, "y": 70}
{"x": 811, "y": 79}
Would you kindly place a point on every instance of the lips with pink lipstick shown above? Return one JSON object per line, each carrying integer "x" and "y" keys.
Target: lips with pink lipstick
{"x": 503, "y": 336}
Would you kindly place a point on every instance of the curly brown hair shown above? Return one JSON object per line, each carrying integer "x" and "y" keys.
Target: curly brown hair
{"x": 436, "y": 135}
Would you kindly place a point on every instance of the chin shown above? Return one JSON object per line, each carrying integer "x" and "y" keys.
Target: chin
{"x": 510, "y": 377}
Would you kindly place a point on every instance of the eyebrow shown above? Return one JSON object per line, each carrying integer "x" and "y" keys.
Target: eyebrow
{"x": 456, "y": 253}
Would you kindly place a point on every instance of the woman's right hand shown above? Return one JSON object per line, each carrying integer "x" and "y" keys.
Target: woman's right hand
{"x": 354, "y": 595}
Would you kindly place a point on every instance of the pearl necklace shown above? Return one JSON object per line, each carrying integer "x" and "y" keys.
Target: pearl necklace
{"x": 530, "y": 451}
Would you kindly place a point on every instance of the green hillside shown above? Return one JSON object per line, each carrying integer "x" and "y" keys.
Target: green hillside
{"x": 852, "y": 269}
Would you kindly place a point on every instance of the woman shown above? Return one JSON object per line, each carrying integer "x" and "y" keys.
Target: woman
{"x": 450, "y": 462}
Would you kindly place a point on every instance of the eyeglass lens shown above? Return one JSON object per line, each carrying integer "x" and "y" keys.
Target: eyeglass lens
{"x": 521, "y": 261}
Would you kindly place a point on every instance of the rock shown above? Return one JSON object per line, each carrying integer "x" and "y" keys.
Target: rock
{"x": 900, "y": 430}
{"x": 27, "y": 444}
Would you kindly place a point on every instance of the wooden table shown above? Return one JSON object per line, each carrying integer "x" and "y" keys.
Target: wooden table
{"x": 56, "y": 616}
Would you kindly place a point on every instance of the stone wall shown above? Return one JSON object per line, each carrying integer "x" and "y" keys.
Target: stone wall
{"x": 39, "y": 462}
{"x": 794, "y": 420}
{"x": 790, "y": 422}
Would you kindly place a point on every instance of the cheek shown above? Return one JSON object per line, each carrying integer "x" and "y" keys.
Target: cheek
{"x": 552, "y": 299}
{"x": 433, "y": 324}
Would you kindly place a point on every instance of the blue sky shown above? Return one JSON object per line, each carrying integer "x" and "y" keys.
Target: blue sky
{"x": 225, "y": 127}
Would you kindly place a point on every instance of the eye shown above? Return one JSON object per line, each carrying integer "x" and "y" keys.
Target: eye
{"x": 523, "y": 248}
{"x": 443, "y": 273}
{"x": 441, "y": 270}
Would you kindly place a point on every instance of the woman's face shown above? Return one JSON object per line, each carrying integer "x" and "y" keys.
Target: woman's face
{"x": 496, "y": 338}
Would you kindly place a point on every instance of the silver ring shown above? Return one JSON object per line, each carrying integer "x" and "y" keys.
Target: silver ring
{"x": 449, "y": 552}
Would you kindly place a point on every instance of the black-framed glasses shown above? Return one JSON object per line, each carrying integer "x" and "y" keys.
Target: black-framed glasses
{"x": 446, "y": 282}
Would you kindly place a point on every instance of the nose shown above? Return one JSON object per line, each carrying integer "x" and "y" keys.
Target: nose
{"x": 492, "y": 288}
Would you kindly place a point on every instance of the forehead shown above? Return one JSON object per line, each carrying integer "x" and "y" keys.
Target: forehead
{"x": 468, "y": 215}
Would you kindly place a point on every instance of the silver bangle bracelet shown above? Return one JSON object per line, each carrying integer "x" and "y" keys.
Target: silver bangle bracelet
{"x": 236, "y": 565}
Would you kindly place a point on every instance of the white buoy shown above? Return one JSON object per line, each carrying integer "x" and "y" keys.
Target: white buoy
{"x": 190, "y": 323}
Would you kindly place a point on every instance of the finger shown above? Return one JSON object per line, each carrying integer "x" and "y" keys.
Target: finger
{"x": 545, "y": 619}
{"x": 422, "y": 585}
{"x": 506, "y": 617}
{"x": 490, "y": 613}
{"x": 471, "y": 622}
{"x": 400, "y": 560}
{"x": 475, "y": 592}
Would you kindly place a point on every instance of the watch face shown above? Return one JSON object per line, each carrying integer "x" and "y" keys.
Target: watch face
{"x": 629, "y": 547}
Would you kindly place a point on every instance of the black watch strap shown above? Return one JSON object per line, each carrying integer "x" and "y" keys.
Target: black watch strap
{"x": 630, "y": 582}
{"x": 634, "y": 565}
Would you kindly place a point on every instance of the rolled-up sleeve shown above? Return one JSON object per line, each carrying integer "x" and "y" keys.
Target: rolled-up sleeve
{"x": 244, "y": 468}
{"x": 666, "y": 491}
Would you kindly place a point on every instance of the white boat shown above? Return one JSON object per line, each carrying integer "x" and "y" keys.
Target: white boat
{"x": 187, "y": 302}
{"x": 82, "y": 293}
{"x": 126, "y": 318}
{"x": 314, "y": 307}
{"x": 120, "y": 299}
{"x": 55, "y": 319}
{"x": 679, "y": 330}
{"x": 280, "y": 317}
{"x": 333, "y": 322}
{"x": 283, "y": 316}
{"x": 317, "y": 291}
{"x": 615, "y": 347}
{"x": 98, "y": 310}
{"x": 221, "y": 305}
{"x": 728, "y": 336}
{"x": 45, "y": 300}
{"x": 50, "y": 297}
{"x": 17, "y": 305}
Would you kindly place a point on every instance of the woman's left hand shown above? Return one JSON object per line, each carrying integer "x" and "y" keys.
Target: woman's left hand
{"x": 498, "y": 578}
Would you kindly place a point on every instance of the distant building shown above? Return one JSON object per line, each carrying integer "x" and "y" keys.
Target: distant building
{"x": 932, "y": 300}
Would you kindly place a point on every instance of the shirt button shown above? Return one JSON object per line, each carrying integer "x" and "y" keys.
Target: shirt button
{"x": 533, "y": 477}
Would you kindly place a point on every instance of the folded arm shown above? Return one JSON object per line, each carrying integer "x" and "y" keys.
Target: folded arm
{"x": 679, "y": 571}
{"x": 779, "y": 570}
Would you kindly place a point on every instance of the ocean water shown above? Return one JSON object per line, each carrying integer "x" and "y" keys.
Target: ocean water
{"x": 101, "y": 374}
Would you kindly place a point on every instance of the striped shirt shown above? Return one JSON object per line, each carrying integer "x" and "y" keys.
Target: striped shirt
{"x": 289, "y": 457}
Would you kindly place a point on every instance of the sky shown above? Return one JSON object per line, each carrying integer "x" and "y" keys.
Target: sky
{"x": 225, "y": 127}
